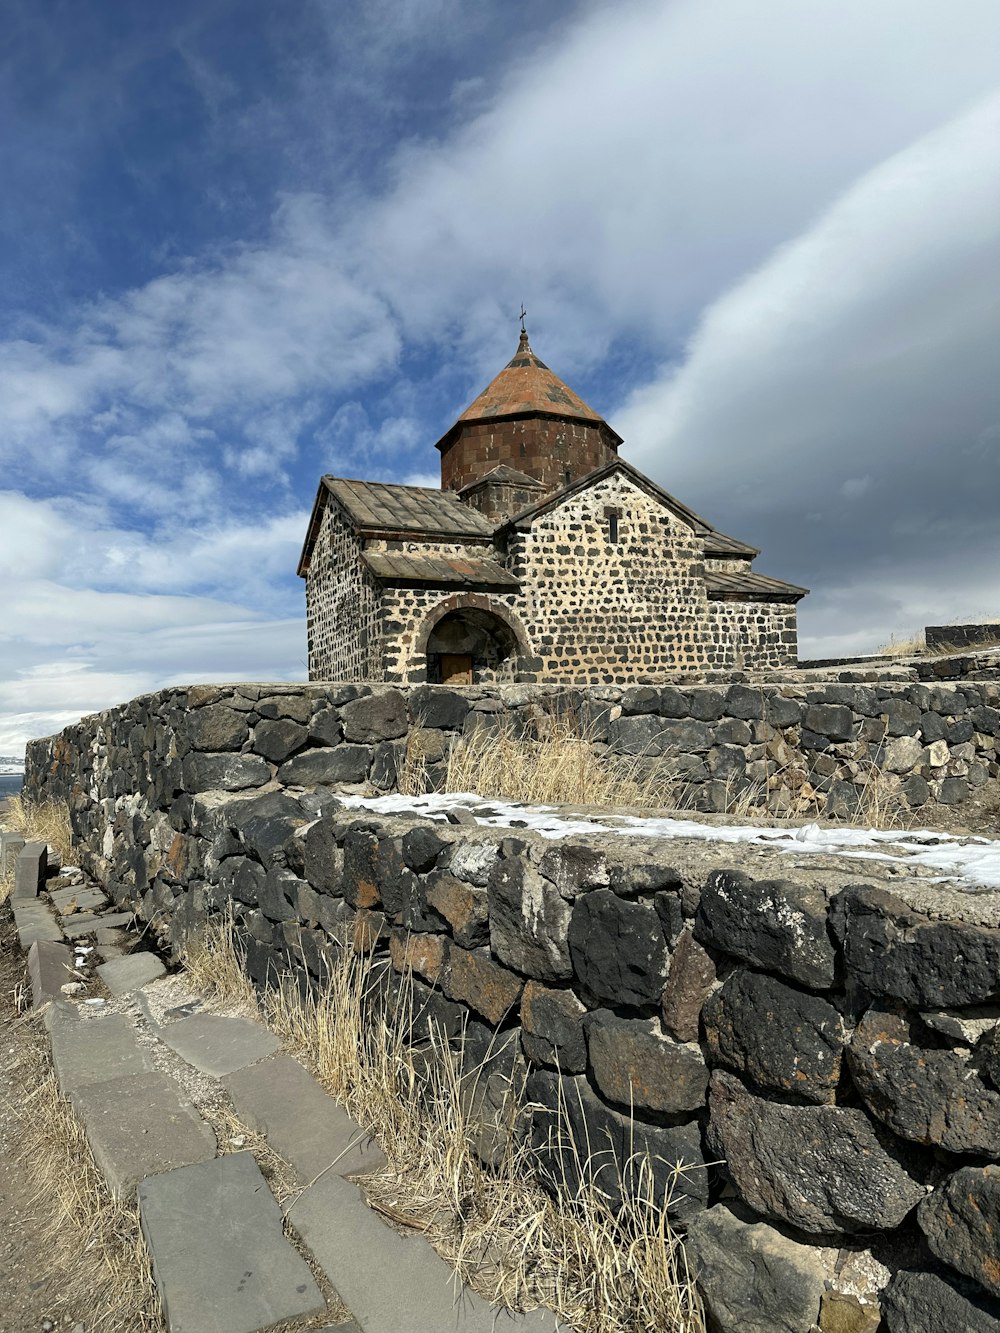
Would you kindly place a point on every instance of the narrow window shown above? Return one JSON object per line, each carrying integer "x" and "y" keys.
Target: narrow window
{"x": 612, "y": 517}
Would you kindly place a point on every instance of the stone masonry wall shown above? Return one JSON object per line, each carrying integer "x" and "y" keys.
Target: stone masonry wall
{"x": 952, "y": 638}
{"x": 552, "y": 450}
{"x": 814, "y": 1052}
{"x": 599, "y": 611}
{"x": 343, "y": 617}
{"x": 757, "y": 634}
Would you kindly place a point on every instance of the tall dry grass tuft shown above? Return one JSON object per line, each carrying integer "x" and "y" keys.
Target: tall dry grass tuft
{"x": 44, "y": 821}
{"x": 562, "y": 763}
{"x": 96, "y": 1240}
{"x": 881, "y": 804}
{"x": 915, "y": 646}
{"x": 517, "y": 1245}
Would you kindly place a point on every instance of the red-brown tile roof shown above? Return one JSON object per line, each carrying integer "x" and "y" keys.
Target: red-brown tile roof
{"x": 527, "y": 385}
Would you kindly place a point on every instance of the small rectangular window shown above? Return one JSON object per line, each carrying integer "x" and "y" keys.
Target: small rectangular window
{"x": 611, "y": 516}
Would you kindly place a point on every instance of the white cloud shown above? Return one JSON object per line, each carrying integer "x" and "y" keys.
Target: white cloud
{"x": 847, "y": 391}
{"x": 625, "y": 173}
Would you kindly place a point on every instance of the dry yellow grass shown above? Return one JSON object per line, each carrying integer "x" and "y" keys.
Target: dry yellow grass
{"x": 561, "y": 764}
{"x": 96, "y": 1240}
{"x": 47, "y": 821}
{"x": 915, "y": 646}
{"x": 507, "y": 1237}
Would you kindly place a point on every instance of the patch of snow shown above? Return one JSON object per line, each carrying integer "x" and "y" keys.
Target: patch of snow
{"x": 972, "y": 863}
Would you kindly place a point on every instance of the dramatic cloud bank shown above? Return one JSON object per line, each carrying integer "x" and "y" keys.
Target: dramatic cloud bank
{"x": 762, "y": 237}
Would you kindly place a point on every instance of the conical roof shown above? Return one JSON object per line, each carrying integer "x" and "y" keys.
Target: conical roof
{"x": 524, "y": 387}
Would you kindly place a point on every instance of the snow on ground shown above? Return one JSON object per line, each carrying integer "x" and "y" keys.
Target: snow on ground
{"x": 971, "y": 863}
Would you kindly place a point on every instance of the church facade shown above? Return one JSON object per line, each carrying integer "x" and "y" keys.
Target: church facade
{"x": 543, "y": 557}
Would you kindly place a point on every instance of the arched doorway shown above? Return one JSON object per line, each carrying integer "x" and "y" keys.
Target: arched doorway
{"x": 470, "y": 645}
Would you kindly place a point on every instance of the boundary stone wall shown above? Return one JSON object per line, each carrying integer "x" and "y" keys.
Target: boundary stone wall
{"x": 953, "y": 638}
{"x": 833, "y": 1044}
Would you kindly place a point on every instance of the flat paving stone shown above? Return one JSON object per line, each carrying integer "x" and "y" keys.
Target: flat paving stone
{"x": 122, "y": 975}
{"x": 92, "y": 1051}
{"x": 220, "y": 1259}
{"x": 59, "y": 1012}
{"x": 391, "y": 1282}
{"x": 85, "y": 898}
{"x": 49, "y": 968}
{"x": 218, "y": 1045}
{"x": 89, "y": 923}
{"x": 300, "y": 1121}
{"x": 140, "y": 1126}
{"x": 105, "y": 934}
{"x": 34, "y": 921}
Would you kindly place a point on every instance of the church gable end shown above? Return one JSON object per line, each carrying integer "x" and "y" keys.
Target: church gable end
{"x": 612, "y": 583}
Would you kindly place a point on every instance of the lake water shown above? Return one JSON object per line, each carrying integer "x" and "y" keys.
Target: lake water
{"x": 10, "y": 784}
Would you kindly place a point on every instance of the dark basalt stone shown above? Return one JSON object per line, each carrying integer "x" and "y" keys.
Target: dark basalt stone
{"x": 223, "y": 772}
{"x": 961, "y": 1221}
{"x": 435, "y": 706}
{"x": 618, "y": 950}
{"x": 915, "y": 1302}
{"x": 773, "y": 924}
{"x": 529, "y": 921}
{"x": 217, "y": 728}
{"x": 322, "y": 859}
{"x": 614, "y": 1152}
{"x": 921, "y": 1088}
{"x": 379, "y": 717}
{"x": 552, "y": 1028}
{"x": 823, "y": 1169}
{"x": 752, "y": 1278}
{"x": 652, "y": 736}
{"x": 341, "y": 763}
{"x": 265, "y": 822}
{"x": 635, "y": 1065}
{"x": 775, "y": 1036}
{"x": 278, "y": 739}
{"x": 894, "y": 952}
{"x": 278, "y": 894}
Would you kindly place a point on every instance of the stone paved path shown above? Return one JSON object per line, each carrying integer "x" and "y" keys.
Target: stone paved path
{"x": 222, "y": 1260}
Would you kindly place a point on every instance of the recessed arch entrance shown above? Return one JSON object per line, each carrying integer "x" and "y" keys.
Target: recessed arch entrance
{"x": 468, "y": 639}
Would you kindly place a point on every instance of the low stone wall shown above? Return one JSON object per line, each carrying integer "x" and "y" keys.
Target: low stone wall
{"x": 812, "y": 1061}
{"x": 953, "y": 638}
{"x": 814, "y": 748}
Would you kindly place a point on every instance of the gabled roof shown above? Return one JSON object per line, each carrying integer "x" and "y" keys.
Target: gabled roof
{"x": 440, "y": 571}
{"x": 526, "y": 387}
{"x": 748, "y": 586}
{"x": 502, "y": 475}
{"x": 716, "y": 543}
{"x": 385, "y": 508}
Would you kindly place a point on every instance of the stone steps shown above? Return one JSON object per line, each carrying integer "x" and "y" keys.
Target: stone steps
{"x": 222, "y": 1259}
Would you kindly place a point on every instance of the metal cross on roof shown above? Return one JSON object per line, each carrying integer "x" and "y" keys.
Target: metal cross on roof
{"x": 523, "y": 313}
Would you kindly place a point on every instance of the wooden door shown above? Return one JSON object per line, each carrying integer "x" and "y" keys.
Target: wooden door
{"x": 456, "y": 669}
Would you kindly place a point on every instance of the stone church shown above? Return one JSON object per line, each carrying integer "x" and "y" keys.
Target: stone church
{"x": 543, "y": 557}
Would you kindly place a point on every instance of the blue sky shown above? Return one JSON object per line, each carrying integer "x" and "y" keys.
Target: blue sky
{"x": 243, "y": 244}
